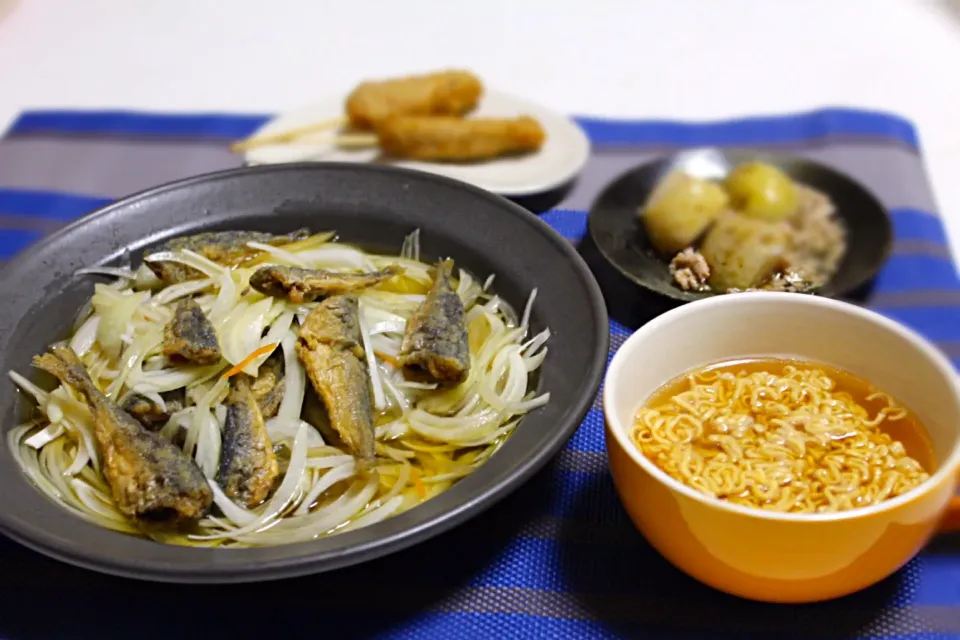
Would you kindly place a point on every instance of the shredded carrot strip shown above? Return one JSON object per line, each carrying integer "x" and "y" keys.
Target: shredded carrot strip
{"x": 415, "y": 476}
{"x": 388, "y": 359}
{"x": 240, "y": 366}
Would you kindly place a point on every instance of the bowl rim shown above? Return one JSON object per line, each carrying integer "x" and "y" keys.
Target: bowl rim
{"x": 678, "y": 295}
{"x": 946, "y": 470}
{"x": 301, "y": 560}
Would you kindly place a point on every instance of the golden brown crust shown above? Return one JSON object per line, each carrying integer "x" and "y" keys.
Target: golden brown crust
{"x": 455, "y": 139}
{"x": 443, "y": 93}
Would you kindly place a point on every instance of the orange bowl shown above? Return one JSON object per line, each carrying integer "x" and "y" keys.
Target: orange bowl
{"x": 765, "y": 555}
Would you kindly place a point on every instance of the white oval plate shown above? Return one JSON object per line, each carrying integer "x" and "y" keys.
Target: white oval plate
{"x": 560, "y": 159}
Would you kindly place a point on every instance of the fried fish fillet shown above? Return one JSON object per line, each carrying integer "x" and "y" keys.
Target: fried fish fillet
{"x": 268, "y": 386}
{"x": 306, "y": 285}
{"x": 189, "y": 336}
{"x": 435, "y": 343}
{"x": 223, "y": 247}
{"x": 331, "y": 349}
{"x": 248, "y": 465}
{"x": 150, "y": 414}
{"x": 150, "y": 478}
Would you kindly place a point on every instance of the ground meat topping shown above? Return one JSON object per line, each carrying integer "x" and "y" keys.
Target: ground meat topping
{"x": 690, "y": 270}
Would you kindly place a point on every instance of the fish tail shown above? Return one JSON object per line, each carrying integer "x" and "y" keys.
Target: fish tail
{"x": 366, "y": 464}
{"x": 62, "y": 363}
{"x": 240, "y": 387}
{"x": 443, "y": 269}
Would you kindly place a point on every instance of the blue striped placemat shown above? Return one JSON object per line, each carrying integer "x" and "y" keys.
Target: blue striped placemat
{"x": 558, "y": 559}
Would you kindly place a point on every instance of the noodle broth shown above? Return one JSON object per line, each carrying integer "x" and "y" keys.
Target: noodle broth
{"x": 784, "y": 435}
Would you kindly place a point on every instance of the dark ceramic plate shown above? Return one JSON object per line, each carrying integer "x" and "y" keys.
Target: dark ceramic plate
{"x": 372, "y": 206}
{"x": 620, "y": 237}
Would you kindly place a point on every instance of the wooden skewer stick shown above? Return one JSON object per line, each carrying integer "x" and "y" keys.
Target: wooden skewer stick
{"x": 345, "y": 140}
{"x": 286, "y": 136}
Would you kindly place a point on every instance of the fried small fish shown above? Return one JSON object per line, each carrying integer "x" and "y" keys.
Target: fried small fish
{"x": 435, "y": 343}
{"x": 189, "y": 336}
{"x": 150, "y": 414}
{"x": 151, "y": 479}
{"x": 331, "y": 349}
{"x": 248, "y": 467}
{"x": 268, "y": 386}
{"x": 223, "y": 247}
{"x": 306, "y": 285}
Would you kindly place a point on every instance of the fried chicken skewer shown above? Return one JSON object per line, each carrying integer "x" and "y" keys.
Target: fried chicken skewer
{"x": 458, "y": 140}
{"x": 449, "y": 93}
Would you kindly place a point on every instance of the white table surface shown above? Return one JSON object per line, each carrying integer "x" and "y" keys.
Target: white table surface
{"x": 682, "y": 59}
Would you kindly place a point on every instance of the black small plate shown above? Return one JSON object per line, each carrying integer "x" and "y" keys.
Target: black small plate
{"x": 621, "y": 239}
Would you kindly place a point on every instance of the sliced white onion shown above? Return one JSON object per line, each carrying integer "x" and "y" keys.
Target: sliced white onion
{"x": 406, "y": 470}
{"x": 94, "y": 501}
{"x": 234, "y": 512}
{"x": 525, "y": 320}
{"x": 76, "y": 418}
{"x": 240, "y": 336}
{"x": 131, "y": 362}
{"x": 113, "y": 272}
{"x": 188, "y": 258}
{"x": 201, "y": 416}
{"x": 182, "y": 290}
{"x": 423, "y": 386}
{"x": 115, "y": 316}
{"x": 411, "y": 246}
{"x": 464, "y": 286}
{"x": 39, "y": 395}
{"x": 146, "y": 279}
{"x": 326, "y": 481}
{"x": 46, "y": 435}
{"x": 333, "y": 258}
{"x": 279, "y": 428}
{"x": 529, "y": 405}
{"x": 279, "y": 328}
{"x": 384, "y": 511}
{"x": 172, "y": 379}
{"x": 225, "y": 302}
{"x": 379, "y": 399}
{"x": 329, "y": 462}
{"x": 80, "y": 460}
{"x": 209, "y": 446}
{"x": 307, "y": 527}
{"x": 294, "y": 380}
{"x": 281, "y": 254}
